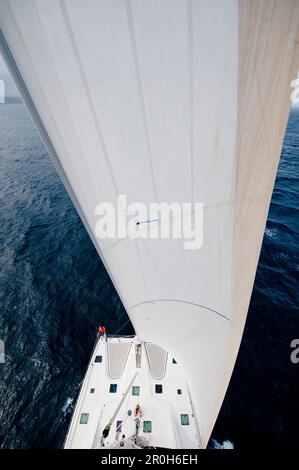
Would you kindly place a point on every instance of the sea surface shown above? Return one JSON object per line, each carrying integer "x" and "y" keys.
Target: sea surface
{"x": 54, "y": 292}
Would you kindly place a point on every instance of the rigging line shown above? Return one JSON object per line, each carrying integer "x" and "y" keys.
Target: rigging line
{"x": 152, "y": 301}
{"x": 113, "y": 336}
{"x": 109, "y": 424}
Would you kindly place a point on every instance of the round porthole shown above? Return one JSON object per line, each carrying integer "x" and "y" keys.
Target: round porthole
{"x": 129, "y": 412}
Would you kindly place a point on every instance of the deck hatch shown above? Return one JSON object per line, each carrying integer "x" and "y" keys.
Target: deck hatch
{"x": 84, "y": 418}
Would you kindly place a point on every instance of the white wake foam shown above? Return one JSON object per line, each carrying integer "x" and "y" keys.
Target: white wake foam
{"x": 225, "y": 444}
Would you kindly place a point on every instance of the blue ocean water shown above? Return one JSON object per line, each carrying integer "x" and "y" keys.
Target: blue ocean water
{"x": 54, "y": 291}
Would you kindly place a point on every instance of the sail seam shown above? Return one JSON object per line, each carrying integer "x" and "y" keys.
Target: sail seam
{"x": 152, "y": 301}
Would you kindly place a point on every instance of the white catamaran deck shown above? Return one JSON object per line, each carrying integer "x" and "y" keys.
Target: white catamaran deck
{"x": 123, "y": 373}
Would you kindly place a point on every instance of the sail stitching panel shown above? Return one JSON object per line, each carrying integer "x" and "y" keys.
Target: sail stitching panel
{"x": 141, "y": 93}
{"x": 72, "y": 38}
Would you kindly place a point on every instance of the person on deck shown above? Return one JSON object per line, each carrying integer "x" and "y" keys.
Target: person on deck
{"x": 101, "y": 331}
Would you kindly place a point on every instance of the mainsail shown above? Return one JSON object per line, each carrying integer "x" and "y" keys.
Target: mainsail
{"x": 166, "y": 100}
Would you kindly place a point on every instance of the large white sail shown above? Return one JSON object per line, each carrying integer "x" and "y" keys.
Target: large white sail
{"x": 166, "y": 100}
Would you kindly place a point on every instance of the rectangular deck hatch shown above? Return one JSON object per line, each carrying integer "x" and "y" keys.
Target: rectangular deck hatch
{"x": 135, "y": 390}
{"x": 84, "y": 418}
{"x": 147, "y": 426}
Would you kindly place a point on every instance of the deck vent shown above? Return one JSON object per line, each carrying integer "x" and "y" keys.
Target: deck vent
{"x": 98, "y": 359}
{"x": 159, "y": 388}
